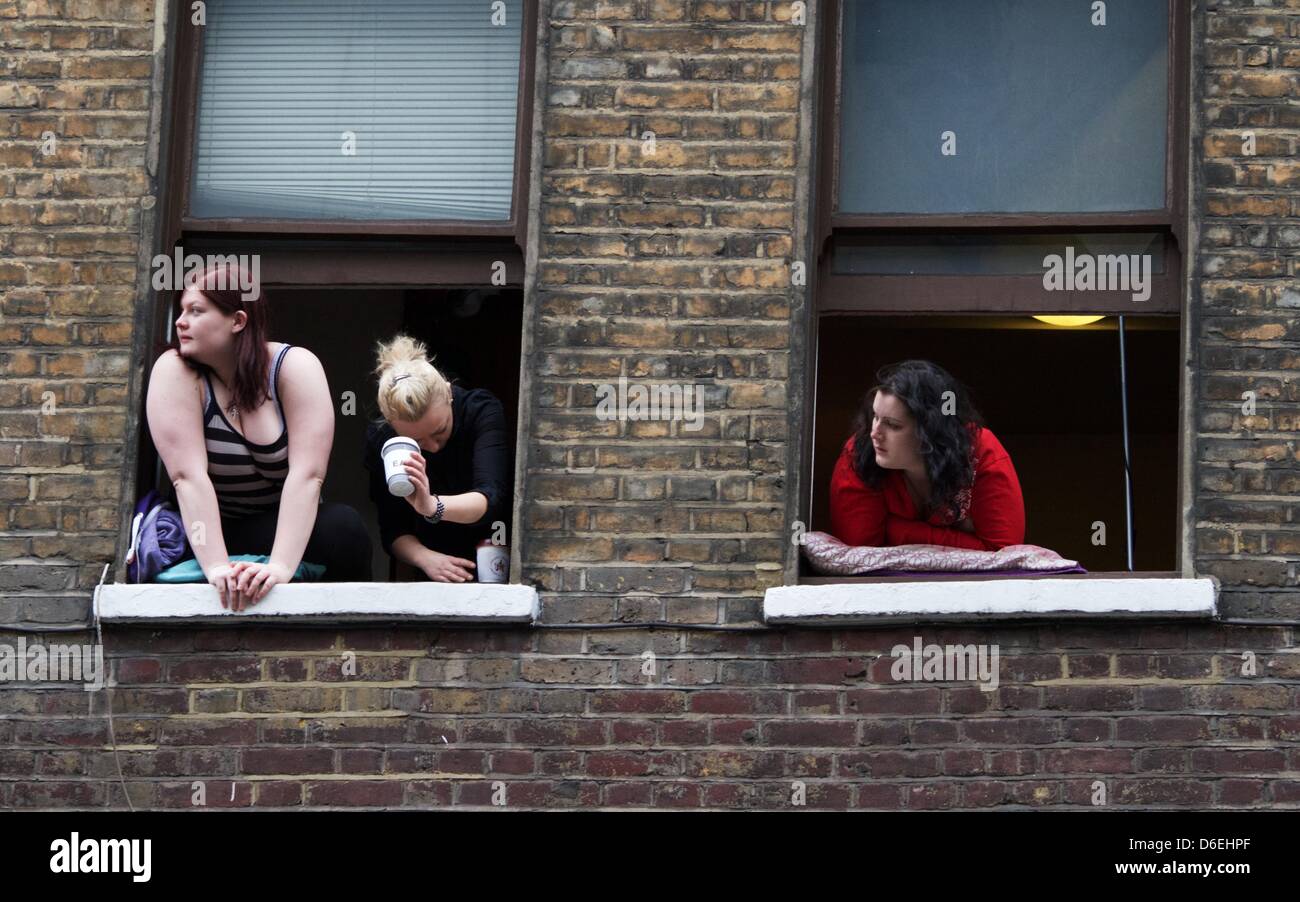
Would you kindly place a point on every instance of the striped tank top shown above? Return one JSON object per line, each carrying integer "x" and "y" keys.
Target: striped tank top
{"x": 247, "y": 477}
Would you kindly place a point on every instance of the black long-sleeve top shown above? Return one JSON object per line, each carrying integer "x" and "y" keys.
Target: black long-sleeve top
{"x": 476, "y": 458}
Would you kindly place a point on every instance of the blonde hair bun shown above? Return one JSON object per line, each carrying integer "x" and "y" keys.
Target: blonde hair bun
{"x": 409, "y": 385}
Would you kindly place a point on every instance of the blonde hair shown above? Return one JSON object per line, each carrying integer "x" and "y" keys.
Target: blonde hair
{"x": 403, "y": 398}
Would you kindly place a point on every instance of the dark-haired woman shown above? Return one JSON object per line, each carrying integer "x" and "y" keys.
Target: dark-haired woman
{"x": 921, "y": 469}
{"x": 244, "y": 427}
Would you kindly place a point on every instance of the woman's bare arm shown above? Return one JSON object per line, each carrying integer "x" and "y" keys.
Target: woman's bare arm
{"x": 467, "y": 507}
{"x": 309, "y": 415}
{"x": 174, "y": 408}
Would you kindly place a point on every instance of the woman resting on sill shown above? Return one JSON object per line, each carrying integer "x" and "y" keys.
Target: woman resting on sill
{"x": 461, "y": 475}
{"x": 921, "y": 469}
{"x": 242, "y": 425}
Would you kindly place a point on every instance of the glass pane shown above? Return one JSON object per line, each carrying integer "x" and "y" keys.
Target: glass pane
{"x": 985, "y": 255}
{"x": 1047, "y": 111}
{"x": 346, "y": 109}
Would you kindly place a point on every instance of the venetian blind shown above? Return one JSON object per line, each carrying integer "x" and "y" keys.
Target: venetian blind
{"x": 348, "y": 109}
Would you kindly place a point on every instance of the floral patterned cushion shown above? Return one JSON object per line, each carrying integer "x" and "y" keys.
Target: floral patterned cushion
{"x": 830, "y": 556}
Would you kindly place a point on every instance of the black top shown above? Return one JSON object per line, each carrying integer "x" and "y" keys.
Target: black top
{"x": 476, "y": 458}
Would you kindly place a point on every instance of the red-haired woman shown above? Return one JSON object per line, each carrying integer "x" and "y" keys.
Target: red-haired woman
{"x": 244, "y": 428}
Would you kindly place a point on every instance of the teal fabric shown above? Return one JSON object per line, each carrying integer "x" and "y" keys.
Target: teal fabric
{"x": 189, "y": 571}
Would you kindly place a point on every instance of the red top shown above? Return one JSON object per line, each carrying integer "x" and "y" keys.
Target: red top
{"x": 861, "y": 515}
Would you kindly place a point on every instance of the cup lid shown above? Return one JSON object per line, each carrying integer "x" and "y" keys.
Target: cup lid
{"x": 398, "y": 440}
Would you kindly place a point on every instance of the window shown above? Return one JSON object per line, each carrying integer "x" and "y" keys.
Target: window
{"x": 337, "y": 110}
{"x": 962, "y": 140}
{"x": 971, "y": 158}
{"x": 373, "y": 157}
{"x": 346, "y": 143}
{"x": 1048, "y": 110}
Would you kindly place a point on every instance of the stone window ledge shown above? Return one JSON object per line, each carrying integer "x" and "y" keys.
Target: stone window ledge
{"x": 889, "y": 601}
{"x": 424, "y": 602}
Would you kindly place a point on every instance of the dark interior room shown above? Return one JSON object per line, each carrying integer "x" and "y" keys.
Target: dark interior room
{"x": 473, "y": 335}
{"x": 1051, "y": 394}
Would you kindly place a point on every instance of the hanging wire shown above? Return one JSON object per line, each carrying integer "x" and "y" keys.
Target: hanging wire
{"x": 108, "y": 689}
{"x": 1128, "y": 467}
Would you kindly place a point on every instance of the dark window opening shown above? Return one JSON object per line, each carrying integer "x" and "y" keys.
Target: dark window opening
{"x": 1052, "y": 396}
{"x": 473, "y": 335}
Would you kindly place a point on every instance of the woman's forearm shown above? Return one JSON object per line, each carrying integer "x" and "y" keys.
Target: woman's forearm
{"x": 299, "y": 503}
{"x": 201, "y": 516}
{"x": 410, "y": 550}
{"x": 468, "y": 507}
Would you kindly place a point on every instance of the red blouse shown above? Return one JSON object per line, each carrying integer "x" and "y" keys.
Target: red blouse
{"x": 861, "y": 515}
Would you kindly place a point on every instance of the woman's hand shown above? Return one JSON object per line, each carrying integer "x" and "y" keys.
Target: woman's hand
{"x": 256, "y": 579}
{"x": 443, "y": 568}
{"x": 225, "y": 579}
{"x": 420, "y": 499}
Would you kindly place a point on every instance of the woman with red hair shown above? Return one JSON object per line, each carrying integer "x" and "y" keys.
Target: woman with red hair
{"x": 245, "y": 429}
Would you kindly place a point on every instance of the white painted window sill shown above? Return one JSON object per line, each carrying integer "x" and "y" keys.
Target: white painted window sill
{"x": 912, "y": 601}
{"x": 425, "y": 602}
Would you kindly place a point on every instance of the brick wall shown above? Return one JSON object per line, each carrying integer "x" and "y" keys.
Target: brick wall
{"x": 664, "y": 263}
{"x": 641, "y": 537}
{"x": 75, "y": 99}
{"x": 1247, "y": 288}
{"x": 568, "y": 718}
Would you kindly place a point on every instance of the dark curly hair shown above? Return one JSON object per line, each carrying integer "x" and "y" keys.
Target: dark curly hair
{"x": 945, "y": 439}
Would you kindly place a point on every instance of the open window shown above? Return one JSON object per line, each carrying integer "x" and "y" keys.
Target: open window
{"x": 473, "y": 336}
{"x": 374, "y": 158}
{"x": 971, "y": 157}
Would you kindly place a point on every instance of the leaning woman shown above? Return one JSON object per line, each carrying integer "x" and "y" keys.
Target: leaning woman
{"x": 922, "y": 469}
{"x": 461, "y": 475}
{"x": 244, "y": 427}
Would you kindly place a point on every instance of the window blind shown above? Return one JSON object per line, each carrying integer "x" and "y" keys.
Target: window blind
{"x": 357, "y": 109}
{"x": 1014, "y": 106}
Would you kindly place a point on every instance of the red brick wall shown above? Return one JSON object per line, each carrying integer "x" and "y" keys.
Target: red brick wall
{"x": 1160, "y": 715}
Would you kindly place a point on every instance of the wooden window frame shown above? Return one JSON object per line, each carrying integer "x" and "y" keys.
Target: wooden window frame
{"x": 378, "y": 254}
{"x": 901, "y": 295}
{"x": 188, "y": 63}
{"x": 898, "y": 294}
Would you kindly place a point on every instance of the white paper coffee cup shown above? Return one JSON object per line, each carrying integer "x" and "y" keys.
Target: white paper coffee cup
{"x": 493, "y": 563}
{"x": 395, "y": 452}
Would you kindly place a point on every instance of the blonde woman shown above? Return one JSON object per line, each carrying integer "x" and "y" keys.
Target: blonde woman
{"x": 461, "y": 475}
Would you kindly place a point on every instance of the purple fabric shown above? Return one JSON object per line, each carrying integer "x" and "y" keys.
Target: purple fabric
{"x": 160, "y": 541}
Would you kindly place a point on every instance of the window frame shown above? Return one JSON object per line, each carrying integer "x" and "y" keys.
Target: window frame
{"x": 865, "y": 295}
{"x": 378, "y": 254}
{"x": 994, "y": 293}
{"x": 183, "y": 109}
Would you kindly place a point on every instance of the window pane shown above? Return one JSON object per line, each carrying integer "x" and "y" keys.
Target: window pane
{"x": 985, "y": 255}
{"x": 428, "y": 89}
{"x": 1049, "y": 112}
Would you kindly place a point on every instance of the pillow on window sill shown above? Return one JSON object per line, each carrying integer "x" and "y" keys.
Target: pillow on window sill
{"x": 831, "y": 557}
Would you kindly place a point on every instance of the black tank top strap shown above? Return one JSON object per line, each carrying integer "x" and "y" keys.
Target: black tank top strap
{"x": 275, "y": 384}
{"x": 209, "y": 397}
